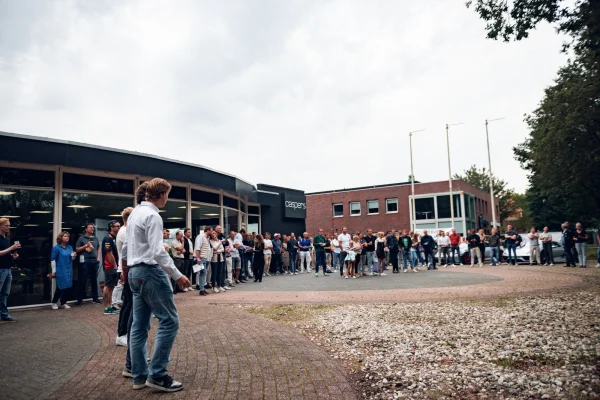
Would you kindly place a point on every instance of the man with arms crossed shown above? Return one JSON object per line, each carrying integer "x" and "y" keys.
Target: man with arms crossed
{"x": 152, "y": 291}
{"x": 546, "y": 239}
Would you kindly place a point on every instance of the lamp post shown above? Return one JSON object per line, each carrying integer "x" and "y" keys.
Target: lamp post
{"x": 412, "y": 183}
{"x": 487, "y": 136}
{"x": 450, "y": 173}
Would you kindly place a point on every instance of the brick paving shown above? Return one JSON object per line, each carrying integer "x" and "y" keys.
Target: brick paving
{"x": 226, "y": 353}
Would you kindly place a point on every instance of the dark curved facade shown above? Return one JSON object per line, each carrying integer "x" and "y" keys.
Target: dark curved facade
{"x": 47, "y": 186}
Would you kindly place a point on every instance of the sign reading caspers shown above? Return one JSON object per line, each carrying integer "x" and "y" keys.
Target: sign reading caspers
{"x": 294, "y": 206}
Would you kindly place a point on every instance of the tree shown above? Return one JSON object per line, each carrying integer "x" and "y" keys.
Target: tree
{"x": 481, "y": 179}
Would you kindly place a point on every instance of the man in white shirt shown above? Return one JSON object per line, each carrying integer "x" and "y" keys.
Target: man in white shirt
{"x": 336, "y": 251}
{"x": 203, "y": 255}
{"x": 546, "y": 239}
{"x": 268, "y": 251}
{"x": 235, "y": 244}
{"x": 127, "y": 296}
{"x": 344, "y": 245}
{"x": 150, "y": 266}
{"x": 443, "y": 242}
{"x": 178, "y": 253}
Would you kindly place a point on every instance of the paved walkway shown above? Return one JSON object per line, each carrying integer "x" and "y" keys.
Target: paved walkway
{"x": 226, "y": 353}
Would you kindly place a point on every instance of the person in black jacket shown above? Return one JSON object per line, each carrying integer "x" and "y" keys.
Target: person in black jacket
{"x": 427, "y": 243}
{"x": 392, "y": 245}
{"x": 405, "y": 243}
{"x": 474, "y": 241}
{"x": 569, "y": 243}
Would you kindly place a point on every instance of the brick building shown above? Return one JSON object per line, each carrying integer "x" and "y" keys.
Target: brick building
{"x": 384, "y": 207}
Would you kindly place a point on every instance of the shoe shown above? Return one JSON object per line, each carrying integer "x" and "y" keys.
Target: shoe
{"x": 54, "y": 306}
{"x": 216, "y": 290}
{"x": 405, "y": 270}
{"x": 383, "y": 274}
{"x": 346, "y": 277}
{"x": 164, "y": 384}
{"x": 415, "y": 270}
{"x": 121, "y": 341}
{"x": 79, "y": 304}
{"x": 137, "y": 385}
{"x": 185, "y": 289}
{"x": 127, "y": 374}
{"x": 326, "y": 274}
{"x": 256, "y": 280}
{"x": 202, "y": 293}
{"x": 354, "y": 277}
{"x": 461, "y": 264}
{"x": 96, "y": 301}
{"x": 222, "y": 289}
{"x": 316, "y": 274}
{"x": 110, "y": 311}
{"x": 208, "y": 286}
{"x": 64, "y": 306}
{"x": 295, "y": 273}
{"x": 597, "y": 265}
{"x": 226, "y": 288}
{"x": 552, "y": 265}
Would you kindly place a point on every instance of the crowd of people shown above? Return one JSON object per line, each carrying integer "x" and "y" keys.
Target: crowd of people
{"x": 150, "y": 266}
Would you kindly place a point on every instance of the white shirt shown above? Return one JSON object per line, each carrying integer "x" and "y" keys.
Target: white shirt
{"x": 268, "y": 243}
{"x": 443, "y": 241}
{"x": 336, "y": 246}
{"x": 543, "y": 237}
{"x": 121, "y": 236}
{"x": 344, "y": 240}
{"x": 176, "y": 253}
{"x": 144, "y": 240}
{"x": 234, "y": 252}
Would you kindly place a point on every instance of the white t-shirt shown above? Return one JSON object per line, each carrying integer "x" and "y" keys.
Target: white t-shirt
{"x": 443, "y": 241}
{"x": 268, "y": 243}
{"x": 336, "y": 246}
{"x": 344, "y": 240}
{"x": 176, "y": 253}
{"x": 543, "y": 237}
{"x": 120, "y": 240}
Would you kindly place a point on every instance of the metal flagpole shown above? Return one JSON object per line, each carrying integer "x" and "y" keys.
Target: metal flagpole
{"x": 450, "y": 174}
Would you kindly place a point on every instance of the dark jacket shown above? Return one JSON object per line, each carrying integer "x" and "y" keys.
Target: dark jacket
{"x": 392, "y": 243}
{"x": 427, "y": 242}
{"x": 474, "y": 240}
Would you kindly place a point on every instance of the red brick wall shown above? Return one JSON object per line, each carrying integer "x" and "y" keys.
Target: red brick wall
{"x": 319, "y": 207}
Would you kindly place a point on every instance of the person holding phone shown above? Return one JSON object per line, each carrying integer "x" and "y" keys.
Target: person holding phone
{"x": 8, "y": 253}
{"x": 580, "y": 239}
{"x": 61, "y": 260}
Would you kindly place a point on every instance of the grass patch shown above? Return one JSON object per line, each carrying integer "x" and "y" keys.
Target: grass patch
{"x": 289, "y": 313}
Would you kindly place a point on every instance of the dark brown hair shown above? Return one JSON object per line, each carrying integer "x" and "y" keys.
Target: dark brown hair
{"x": 60, "y": 235}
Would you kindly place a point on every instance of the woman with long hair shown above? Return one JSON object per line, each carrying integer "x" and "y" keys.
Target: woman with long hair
{"x": 259, "y": 259}
{"x": 352, "y": 256}
{"x": 420, "y": 252}
{"x": 414, "y": 250}
{"x": 380, "y": 252}
{"x": 217, "y": 261}
{"x": 61, "y": 259}
{"x": 285, "y": 255}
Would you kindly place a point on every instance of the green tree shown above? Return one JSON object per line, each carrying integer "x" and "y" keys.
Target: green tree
{"x": 480, "y": 178}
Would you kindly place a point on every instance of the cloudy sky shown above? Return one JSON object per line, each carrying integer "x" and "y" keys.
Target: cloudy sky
{"x": 313, "y": 95}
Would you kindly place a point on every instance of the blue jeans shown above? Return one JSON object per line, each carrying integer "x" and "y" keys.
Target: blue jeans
{"x": 512, "y": 247}
{"x": 370, "y": 260}
{"x": 293, "y": 258}
{"x": 5, "y": 281}
{"x": 152, "y": 294}
{"x": 582, "y": 253}
{"x": 201, "y": 276}
{"x": 407, "y": 259}
{"x": 336, "y": 260}
{"x": 457, "y": 250}
{"x": 495, "y": 255}
{"x": 414, "y": 259}
{"x": 320, "y": 260}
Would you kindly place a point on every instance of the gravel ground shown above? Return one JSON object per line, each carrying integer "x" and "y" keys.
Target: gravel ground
{"x": 532, "y": 347}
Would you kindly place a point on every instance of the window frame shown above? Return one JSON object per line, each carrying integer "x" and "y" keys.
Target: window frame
{"x": 386, "y": 206}
{"x": 369, "y": 208}
{"x": 333, "y": 210}
{"x": 359, "y": 208}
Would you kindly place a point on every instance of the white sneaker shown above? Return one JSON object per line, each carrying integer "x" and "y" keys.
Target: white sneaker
{"x": 64, "y": 306}
{"x": 222, "y": 289}
{"x": 405, "y": 270}
{"x": 383, "y": 274}
{"x": 121, "y": 341}
{"x": 444, "y": 266}
{"x": 226, "y": 288}
{"x": 295, "y": 273}
{"x": 216, "y": 290}
{"x": 316, "y": 274}
{"x": 185, "y": 290}
{"x": 597, "y": 265}
{"x": 54, "y": 306}
{"x": 415, "y": 270}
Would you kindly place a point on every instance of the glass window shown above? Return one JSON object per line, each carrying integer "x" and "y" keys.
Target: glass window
{"x": 373, "y": 207}
{"x": 391, "y": 205}
{"x": 230, "y": 221}
{"x": 229, "y": 202}
{"x": 253, "y": 223}
{"x": 338, "y": 210}
{"x": 203, "y": 216}
{"x": 174, "y": 216}
{"x": 205, "y": 197}
{"x": 425, "y": 208}
{"x": 469, "y": 212}
{"x": 243, "y": 206}
{"x": 97, "y": 183}
{"x": 354, "y": 208}
{"x": 31, "y": 215}
{"x": 443, "y": 206}
{"x": 26, "y": 177}
{"x": 178, "y": 193}
{"x": 253, "y": 210}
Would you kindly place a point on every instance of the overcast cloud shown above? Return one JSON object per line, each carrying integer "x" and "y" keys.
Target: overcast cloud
{"x": 293, "y": 93}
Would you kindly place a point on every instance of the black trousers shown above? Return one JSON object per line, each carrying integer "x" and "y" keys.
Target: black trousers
{"x": 187, "y": 267}
{"x": 126, "y": 311}
{"x": 548, "y": 256}
{"x": 179, "y": 263}
{"x": 429, "y": 253}
{"x": 343, "y": 255}
{"x": 88, "y": 269}
{"x": 276, "y": 264}
{"x": 394, "y": 259}
{"x": 58, "y": 295}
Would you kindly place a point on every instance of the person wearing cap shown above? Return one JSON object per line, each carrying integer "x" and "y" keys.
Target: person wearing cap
{"x": 277, "y": 264}
{"x": 110, "y": 255}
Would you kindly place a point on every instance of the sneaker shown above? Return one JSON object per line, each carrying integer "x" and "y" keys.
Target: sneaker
{"x": 415, "y": 270}
{"x": 115, "y": 309}
{"x": 354, "y": 277}
{"x": 346, "y": 277}
{"x": 216, "y": 290}
{"x": 405, "y": 270}
{"x": 165, "y": 384}
{"x": 597, "y": 265}
{"x": 54, "y": 306}
{"x": 383, "y": 274}
{"x": 96, "y": 301}
{"x": 325, "y": 274}
{"x": 121, "y": 341}
{"x": 222, "y": 289}
{"x": 226, "y": 288}
{"x": 295, "y": 273}
{"x": 185, "y": 289}
{"x": 316, "y": 274}
{"x": 127, "y": 374}
{"x": 137, "y": 385}
{"x": 64, "y": 306}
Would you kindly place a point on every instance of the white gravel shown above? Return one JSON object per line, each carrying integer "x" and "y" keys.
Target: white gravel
{"x": 535, "y": 347}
